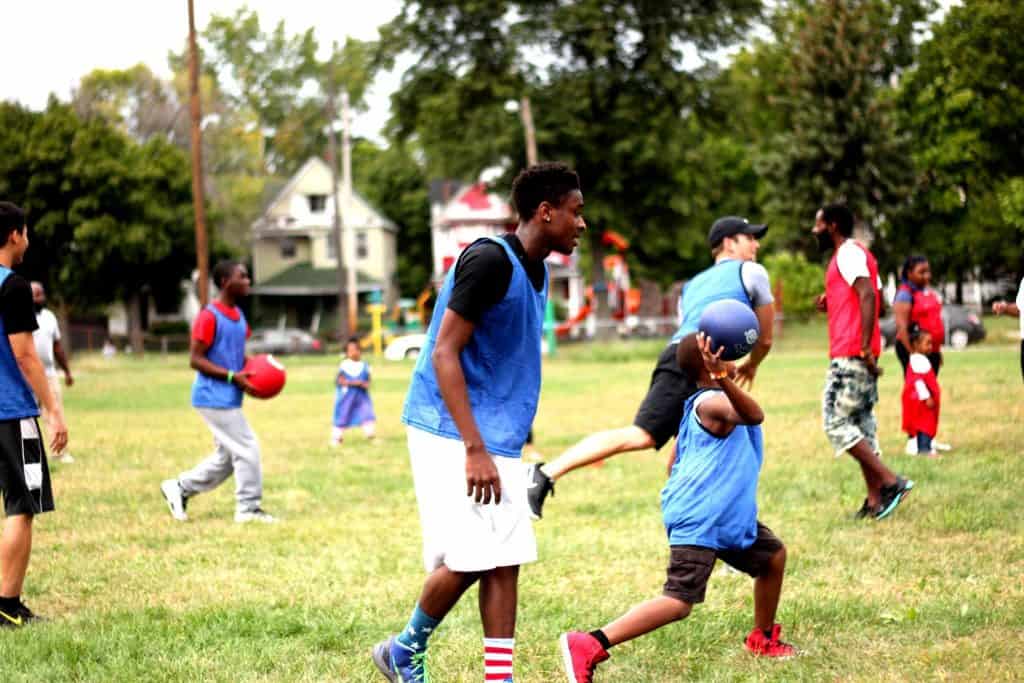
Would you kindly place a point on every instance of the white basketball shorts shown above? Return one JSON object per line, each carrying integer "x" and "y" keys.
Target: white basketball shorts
{"x": 457, "y": 532}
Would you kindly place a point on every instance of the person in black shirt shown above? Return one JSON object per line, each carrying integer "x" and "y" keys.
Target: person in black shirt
{"x": 24, "y": 477}
{"x": 483, "y": 274}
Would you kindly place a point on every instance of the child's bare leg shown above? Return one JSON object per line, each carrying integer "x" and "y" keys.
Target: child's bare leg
{"x": 767, "y": 589}
{"x": 369, "y": 429}
{"x": 646, "y": 617}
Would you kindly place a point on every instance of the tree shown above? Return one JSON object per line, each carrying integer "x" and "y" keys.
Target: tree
{"x": 111, "y": 218}
{"x": 962, "y": 101}
{"x": 840, "y": 138}
{"x": 135, "y": 100}
{"x": 608, "y": 90}
{"x": 395, "y": 182}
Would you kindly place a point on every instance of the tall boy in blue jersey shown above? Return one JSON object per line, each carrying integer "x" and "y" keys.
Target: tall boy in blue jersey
{"x": 218, "y": 356}
{"x": 470, "y": 405}
{"x": 24, "y": 476}
{"x": 734, "y": 275}
{"x": 709, "y": 506}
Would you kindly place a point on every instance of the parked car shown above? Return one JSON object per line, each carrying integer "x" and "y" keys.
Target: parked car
{"x": 406, "y": 346}
{"x": 962, "y": 327}
{"x": 283, "y": 341}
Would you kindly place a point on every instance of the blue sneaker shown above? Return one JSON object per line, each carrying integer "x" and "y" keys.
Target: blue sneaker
{"x": 892, "y": 496}
{"x": 412, "y": 671}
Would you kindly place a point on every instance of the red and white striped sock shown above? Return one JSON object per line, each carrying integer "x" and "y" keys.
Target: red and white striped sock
{"x": 498, "y": 658}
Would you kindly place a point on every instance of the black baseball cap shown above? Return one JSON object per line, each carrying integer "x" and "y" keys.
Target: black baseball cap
{"x": 727, "y": 226}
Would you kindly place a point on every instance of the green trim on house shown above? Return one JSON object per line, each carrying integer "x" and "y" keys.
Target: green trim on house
{"x": 302, "y": 279}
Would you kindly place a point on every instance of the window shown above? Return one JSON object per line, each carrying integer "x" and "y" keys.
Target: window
{"x": 317, "y": 202}
{"x": 362, "y": 245}
{"x": 287, "y": 248}
{"x": 332, "y": 246}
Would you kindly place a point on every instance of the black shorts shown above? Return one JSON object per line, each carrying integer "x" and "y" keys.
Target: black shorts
{"x": 16, "y": 455}
{"x": 662, "y": 408}
{"x": 689, "y": 566}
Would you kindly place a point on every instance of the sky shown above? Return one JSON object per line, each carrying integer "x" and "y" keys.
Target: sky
{"x": 59, "y": 41}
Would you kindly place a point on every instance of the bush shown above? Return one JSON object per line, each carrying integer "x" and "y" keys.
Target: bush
{"x": 800, "y": 281}
{"x": 169, "y": 327}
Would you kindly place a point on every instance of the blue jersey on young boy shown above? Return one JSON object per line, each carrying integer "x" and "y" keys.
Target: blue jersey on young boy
{"x": 227, "y": 351}
{"x": 710, "y": 499}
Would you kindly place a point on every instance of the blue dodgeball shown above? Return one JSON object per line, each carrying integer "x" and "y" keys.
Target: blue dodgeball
{"x": 731, "y": 324}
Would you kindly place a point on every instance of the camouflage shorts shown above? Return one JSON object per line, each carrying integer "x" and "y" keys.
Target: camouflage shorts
{"x": 847, "y": 406}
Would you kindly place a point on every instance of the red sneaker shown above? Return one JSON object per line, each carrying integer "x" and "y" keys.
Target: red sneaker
{"x": 581, "y": 653}
{"x": 762, "y": 646}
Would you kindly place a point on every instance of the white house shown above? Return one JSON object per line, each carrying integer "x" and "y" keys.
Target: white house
{"x": 294, "y": 252}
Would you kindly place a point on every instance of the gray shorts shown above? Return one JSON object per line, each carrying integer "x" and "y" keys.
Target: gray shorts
{"x": 848, "y": 403}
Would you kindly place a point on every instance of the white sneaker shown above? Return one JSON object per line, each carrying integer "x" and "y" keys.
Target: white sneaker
{"x": 65, "y": 459}
{"x": 175, "y": 501}
{"x": 911, "y": 448}
{"x": 257, "y": 515}
{"x": 940, "y": 446}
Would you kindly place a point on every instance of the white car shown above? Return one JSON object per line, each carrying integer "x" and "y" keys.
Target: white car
{"x": 406, "y": 346}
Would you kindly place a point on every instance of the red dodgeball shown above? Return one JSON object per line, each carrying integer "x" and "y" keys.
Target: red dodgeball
{"x": 266, "y": 376}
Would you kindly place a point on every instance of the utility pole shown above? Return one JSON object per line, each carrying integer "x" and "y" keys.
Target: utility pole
{"x": 531, "y": 139}
{"x": 198, "y": 201}
{"x": 346, "y": 193}
{"x": 332, "y": 161}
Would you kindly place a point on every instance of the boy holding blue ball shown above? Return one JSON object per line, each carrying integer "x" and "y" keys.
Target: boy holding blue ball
{"x": 709, "y": 507}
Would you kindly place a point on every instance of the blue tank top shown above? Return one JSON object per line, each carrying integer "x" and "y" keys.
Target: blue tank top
{"x": 227, "y": 351}
{"x": 16, "y": 398}
{"x": 724, "y": 280}
{"x": 710, "y": 499}
{"x": 501, "y": 364}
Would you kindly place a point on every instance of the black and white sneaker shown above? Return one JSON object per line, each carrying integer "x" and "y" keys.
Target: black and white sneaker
{"x": 865, "y": 511}
{"x": 892, "y": 496}
{"x": 175, "y": 499}
{"x": 257, "y": 515}
{"x": 538, "y": 486}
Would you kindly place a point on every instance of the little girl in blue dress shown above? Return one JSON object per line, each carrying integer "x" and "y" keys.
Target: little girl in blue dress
{"x": 352, "y": 404}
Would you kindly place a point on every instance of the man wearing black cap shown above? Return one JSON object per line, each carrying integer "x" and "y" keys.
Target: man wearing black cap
{"x": 734, "y": 275}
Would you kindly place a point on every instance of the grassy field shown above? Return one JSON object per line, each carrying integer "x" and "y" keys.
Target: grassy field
{"x": 935, "y": 593}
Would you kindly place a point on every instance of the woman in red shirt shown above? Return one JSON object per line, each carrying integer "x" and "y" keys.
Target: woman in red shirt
{"x": 917, "y": 303}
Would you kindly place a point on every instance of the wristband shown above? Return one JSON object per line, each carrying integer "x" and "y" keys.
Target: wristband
{"x": 231, "y": 376}
{"x": 722, "y": 375}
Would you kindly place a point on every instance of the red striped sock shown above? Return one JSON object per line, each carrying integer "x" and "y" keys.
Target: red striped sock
{"x": 498, "y": 658}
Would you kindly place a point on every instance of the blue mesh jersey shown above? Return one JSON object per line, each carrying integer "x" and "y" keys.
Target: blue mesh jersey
{"x": 16, "y": 398}
{"x": 501, "y": 364}
{"x": 710, "y": 499}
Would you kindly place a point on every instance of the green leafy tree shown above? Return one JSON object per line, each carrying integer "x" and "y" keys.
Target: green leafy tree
{"x": 963, "y": 102}
{"x": 840, "y": 138}
{"x": 111, "y": 218}
{"x": 394, "y": 181}
{"x": 609, "y": 95}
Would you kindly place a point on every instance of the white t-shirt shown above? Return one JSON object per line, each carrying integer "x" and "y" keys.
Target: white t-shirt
{"x": 1020, "y": 306}
{"x": 852, "y": 262}
{"x": 44, "y": 337}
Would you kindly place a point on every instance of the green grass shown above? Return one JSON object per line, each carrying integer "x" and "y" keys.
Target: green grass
{"x": 935, "y": 593}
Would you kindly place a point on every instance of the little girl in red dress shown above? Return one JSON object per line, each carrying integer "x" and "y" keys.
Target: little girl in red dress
{"x": 921, "y": 394}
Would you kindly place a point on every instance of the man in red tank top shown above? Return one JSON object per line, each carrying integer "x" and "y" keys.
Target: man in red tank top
{"x": 853, "y": 301}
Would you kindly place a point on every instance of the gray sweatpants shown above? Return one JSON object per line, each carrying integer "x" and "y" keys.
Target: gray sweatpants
{"x": 237, "y": 451}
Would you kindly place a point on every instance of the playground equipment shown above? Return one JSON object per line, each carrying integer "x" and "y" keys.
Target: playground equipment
{"x": 623, "y": 299}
